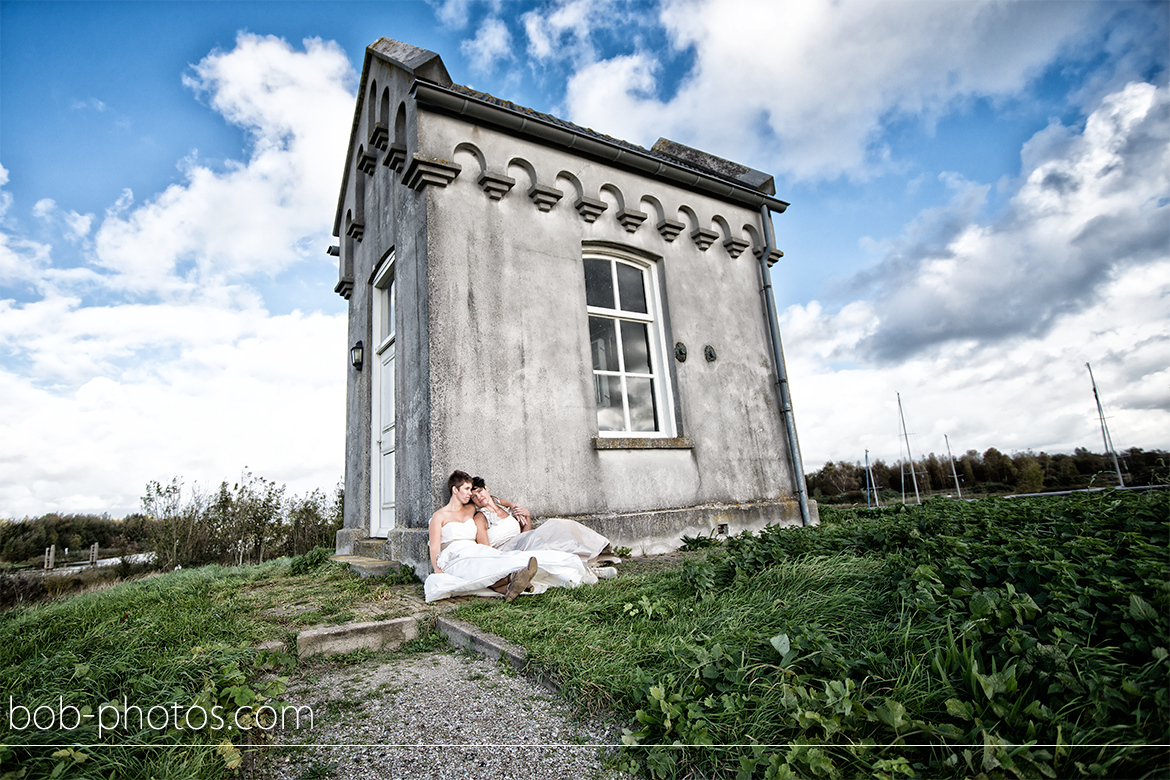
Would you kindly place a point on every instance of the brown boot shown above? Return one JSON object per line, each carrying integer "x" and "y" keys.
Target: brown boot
{"x": 518, "y": 581}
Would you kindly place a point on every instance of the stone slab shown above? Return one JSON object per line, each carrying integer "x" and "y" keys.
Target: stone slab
{"x": 465, "y": 636}
{"x": 365, "y": 566}
{"x": 374, "y": 635}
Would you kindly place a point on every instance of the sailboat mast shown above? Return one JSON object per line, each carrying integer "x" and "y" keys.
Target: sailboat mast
{"x": 913, "y": 476}
{"x": 1106, "y": 439}
{"x": 954, "y": 473}
{"x": 869, "y": 481}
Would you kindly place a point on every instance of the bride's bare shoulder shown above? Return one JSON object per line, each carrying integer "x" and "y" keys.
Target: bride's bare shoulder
{"x": 445, "y": 514}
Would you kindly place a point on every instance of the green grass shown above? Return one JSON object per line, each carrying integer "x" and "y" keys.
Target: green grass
{"x": 950, "y": 640}
{"x": 954, "y": 639}
{"x": 186, "y": 638}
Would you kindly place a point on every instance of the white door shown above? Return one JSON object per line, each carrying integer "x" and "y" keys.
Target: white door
{"x": 385, "y": 450}
{"x": 382, "y": 515}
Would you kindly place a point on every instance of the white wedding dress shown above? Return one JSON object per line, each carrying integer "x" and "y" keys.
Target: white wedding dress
{"x": 556, "y": 533}
{"x": 470, "y": 568}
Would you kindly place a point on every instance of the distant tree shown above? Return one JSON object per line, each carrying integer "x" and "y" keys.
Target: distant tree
{"x": 993, "y": 472}
{"x": 1065, "y": 472}
{"x": 967, "y": 472}
{"x": 1030, "y": 473}
{"x": 180, "y": 536}
{"x": 938, "y": 474}
{"x": 1146, "y": 467}
{"x": 998, "y": 467}
{"x": 1088, "y": 463}
{"x": 835, "y": 478}
{"x": 973, "y": 460}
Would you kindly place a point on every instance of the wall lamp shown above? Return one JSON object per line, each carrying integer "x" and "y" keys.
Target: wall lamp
{"x": 356, "y": 355}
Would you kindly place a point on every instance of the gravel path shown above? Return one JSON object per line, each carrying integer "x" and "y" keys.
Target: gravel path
{"x": 461, "y": 715}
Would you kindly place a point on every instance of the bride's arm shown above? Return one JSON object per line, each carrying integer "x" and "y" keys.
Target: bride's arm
{"x": 436, "y": 541}
{"x": 522, "y": 515}
{"x": 481, "y": 536}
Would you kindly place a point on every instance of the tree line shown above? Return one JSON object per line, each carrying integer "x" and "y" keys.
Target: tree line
{"x": 989, "y": 472}
{"x": 249, "y": 521}
{"x": 26, "y": 540}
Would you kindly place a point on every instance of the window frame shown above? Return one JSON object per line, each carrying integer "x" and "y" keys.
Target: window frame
{"x": 655, "y": 320}
{"x": 384, "y": 295}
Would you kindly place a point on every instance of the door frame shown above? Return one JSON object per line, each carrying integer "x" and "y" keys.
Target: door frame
{"x": 382, "y": 327}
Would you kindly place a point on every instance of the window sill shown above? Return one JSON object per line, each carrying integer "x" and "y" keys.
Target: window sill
{"x": 638, "y": 443}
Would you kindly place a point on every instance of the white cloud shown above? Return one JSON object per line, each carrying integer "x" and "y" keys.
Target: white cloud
{"x": 209, "y": 392}
{"x": 452, "y": 13}
{"x": 93, "y": 103}
{"x": 566, "y": 30}
{"x": 21, "y": 261}
{"x": 491, "y": 44}
{"x": 820, "y": 77}
{"x": 985, "y": 328}
{"x": 78, "y": 225}
{"x": 258, "y": 217}
{"x": 159, "y": 358}
{"x": 1089, "y": 205}
{"x": 1025, "y": 393}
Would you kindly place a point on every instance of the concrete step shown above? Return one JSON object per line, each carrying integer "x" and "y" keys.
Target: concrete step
{"x": 374, "y": 635}
{"x": 365, "y": 566}
{"x": 370, "y": 548}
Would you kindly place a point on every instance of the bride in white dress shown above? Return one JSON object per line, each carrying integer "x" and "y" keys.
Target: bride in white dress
{"x": 509, "y": 528}
{"x": 464, "y": 563}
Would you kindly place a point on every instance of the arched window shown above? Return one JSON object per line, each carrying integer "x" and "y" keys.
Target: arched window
{"x": 626, "y": 344}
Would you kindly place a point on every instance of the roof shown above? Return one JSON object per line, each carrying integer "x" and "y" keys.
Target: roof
{"x": 667, "y": 159}
{"x": 666, "y": 150}
{"x": 415, "y": 61}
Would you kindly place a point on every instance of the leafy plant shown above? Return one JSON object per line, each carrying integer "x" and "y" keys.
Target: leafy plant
{"x": 303, "y": 564}
{"x": 999, "y": 638}
{"x": 692, "y": 543}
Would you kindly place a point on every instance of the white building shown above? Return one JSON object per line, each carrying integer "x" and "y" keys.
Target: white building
{"x": 581, "y": 321}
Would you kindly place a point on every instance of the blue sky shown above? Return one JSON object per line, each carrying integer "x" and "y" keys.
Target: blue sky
{"x": 979, "y": 206}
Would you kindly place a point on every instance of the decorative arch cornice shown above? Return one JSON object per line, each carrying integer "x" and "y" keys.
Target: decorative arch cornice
{"x": 380, "y": 126}
{"x": 755, "y": 240}
{"x": 732, "y": 243}
{"x": 396, "y": 155}
{"x": 667, "y": 228}
{"x": 630, "y": 219}
{"x": 367, "y": 160}
{"x": 703, "y": 237}
{"x": 588, "y": 207}
{"x": 495, "y": 185}
{"x": 544, "y": 196}
{"x": 474, "y": 151}
{"x": 427, "y": 171}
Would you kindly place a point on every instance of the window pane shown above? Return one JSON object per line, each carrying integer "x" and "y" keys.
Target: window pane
{"x": 636, "y": 346}
{"x": 631, "y": 291}
{"x": 389, "y": 326}
{"x": 608, "y": 390}
{"x": 598, "y": 283}
{"x": 603, "y": 344}
{"x": 642, "y": 411}
{"x": 385, "y": 301}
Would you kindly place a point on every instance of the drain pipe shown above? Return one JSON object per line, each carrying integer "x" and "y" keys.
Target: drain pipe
{"x": 781, "y": 371}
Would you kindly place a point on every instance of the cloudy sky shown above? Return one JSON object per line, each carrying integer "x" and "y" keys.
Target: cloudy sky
{"x": 979, "y": 207}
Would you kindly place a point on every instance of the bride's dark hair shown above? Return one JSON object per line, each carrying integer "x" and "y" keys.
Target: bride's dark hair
{"x": 456, "y": 479}
{"x": 477, "y": 483}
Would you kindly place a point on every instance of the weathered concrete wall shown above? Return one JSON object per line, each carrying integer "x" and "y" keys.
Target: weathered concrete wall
{"x": 511, "y": 381}
{"x": 395, "y": 219}
{"x": 494, "y": 375}
{"x": 660, "y": 531}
